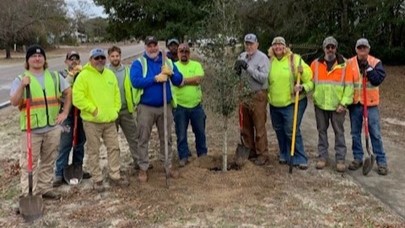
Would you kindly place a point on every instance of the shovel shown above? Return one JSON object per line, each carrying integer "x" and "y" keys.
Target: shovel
{"x": 294, "y": 133}
{"x": 31, "y": 207}
{"x": 73, "y": 174}
{"x": 368, "y": 161}
{"x": 242, "y": 151}
{"x": 167, "y": 169}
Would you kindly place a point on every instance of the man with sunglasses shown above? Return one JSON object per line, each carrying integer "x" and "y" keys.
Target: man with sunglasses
{"x": 97, "y": 95}
{"x": 365, "y": 65}
{"x": 71, "y": 71}
{"x": 189, "y": 108}
{"x": 333, "y": 92}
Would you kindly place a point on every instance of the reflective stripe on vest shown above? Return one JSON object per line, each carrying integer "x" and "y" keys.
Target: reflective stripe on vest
{"x": 45, "y": 103}
{"x": 128, "y": 91}
{"x": 373, "y": 92}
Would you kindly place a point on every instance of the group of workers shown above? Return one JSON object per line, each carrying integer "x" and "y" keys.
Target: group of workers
{"x": 89, "y": 104}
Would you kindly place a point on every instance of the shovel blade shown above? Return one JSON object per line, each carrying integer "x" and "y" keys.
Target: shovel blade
{"x": 241, "y": 155}
{"x": 368, "y": 164}
{"x": 73, "y": 172}
{"x": 31, "y": 207}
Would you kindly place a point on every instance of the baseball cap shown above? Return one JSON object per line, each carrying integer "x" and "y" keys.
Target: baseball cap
{"x": 184, "y": 46}
{"x": 150, "y": 39}
{"x": 362, "y": 42}
{"x": 34, "y": 49}
{"x": 97, "y": 52}
{"x": 173, "y": 40}
{"x": 278, "y": 40}
{"x": 251, "y": 38}
{"x": 329, "y": 40}
{"x": 71, "y": 54}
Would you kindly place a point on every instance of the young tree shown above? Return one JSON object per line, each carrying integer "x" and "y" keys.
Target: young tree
{"x": 222, "y": 84}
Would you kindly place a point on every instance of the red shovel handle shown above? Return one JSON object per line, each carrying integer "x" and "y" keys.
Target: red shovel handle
{"x": 365, "y": 111}
{"x": 29, "y": 143}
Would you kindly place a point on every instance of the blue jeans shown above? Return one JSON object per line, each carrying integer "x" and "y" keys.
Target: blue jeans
{"x": 66, "y": 143}
{"x": 356, "y": 122}
{"x": 282, "y": 121}
{"x": 182, "y": 117}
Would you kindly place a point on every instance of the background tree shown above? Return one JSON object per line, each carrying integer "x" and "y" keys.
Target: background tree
{"x": 25, "y": 21}
{"x": 164, "y": 19}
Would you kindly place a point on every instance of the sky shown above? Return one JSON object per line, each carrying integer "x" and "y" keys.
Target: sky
{"x": 94, "y": 11}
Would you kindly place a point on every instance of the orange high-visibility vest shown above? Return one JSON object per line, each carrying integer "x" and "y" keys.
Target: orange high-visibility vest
{"x": 373, "y": 93}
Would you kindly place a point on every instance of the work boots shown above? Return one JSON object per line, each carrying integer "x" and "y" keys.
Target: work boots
{"x": 340, "y": 166}
{"x": 355, "y": 165}
{"x": 142, "y": 176}
{"x": 320, "y": 164}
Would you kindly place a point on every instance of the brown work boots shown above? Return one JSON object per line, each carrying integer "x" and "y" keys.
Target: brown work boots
{"x": 340, "y": 165}
{"x": 143, "y": 175}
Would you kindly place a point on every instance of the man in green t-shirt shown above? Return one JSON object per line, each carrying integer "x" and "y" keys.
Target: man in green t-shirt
{"x": 189, "y": 108}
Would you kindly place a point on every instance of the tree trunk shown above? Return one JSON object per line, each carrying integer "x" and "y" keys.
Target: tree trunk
{"x": 225, "y": 151}
{"x": 8, "y": 52}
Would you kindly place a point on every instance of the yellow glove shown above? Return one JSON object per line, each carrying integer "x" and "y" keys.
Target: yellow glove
{"x": 75, "y": 70}
{"x": 161, "y": 77}
{"x": 166, "y": 70}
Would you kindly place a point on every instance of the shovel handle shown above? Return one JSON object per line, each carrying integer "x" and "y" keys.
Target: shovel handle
{"x": 29, "y": 143}
{"x": 166, "y": 135}
{"x": 75, "y": 120}
{"x": 365, "y": 109}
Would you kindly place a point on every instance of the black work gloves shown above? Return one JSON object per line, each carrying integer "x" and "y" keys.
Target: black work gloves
{"x": 363, "y": 65}
{"x": 239, "y": 65}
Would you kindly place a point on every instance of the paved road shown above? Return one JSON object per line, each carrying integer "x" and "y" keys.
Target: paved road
{"x": 9, "y": 72}
{"x": 389, "y": 189}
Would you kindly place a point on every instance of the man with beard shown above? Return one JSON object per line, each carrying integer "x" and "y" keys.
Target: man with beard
{"x": 189, "y": 108}
{"x": 366, "y": 65}
{"x": 70, "y": 73}
{"x": 333, "y": 92}
{"x": 148, "y": 76}
{"x": 125, "y": 118}
{"x": 97, "y": 95}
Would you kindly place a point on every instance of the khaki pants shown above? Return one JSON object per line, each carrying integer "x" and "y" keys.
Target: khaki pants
{"x": 254, "y": 115}
{"x": 128, "y": 125}
{"x": 108, "y": 132}
{"x": 148, "y": 116}
{"x": 44, "y": 152}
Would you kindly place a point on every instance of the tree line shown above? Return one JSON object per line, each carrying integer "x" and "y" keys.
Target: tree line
{"x": 305, "y": 23}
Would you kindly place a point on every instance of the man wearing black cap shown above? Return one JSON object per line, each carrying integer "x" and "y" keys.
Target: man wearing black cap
{"x": 172, "y": 45}
{"x": 45, "y": 89}
{"x": 148, "y": 76}
{"x": 72, "y": 69}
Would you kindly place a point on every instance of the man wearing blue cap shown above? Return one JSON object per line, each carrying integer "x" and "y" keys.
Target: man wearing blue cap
{"x": 97, "y": 95}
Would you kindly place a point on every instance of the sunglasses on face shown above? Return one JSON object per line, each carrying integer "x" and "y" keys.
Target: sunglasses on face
{"x": 99, "y": 57}
{"x": 74, "y": 59}
{"x": 361, "y": 47}
{"x": 330, "y": 47}
{"x": 184, "y": 51}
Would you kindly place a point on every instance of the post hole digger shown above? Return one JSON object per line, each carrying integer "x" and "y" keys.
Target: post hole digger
{"x": 370, "y": 160}
{"x": 30, "y": 206}
{"x": 166, "y": 135}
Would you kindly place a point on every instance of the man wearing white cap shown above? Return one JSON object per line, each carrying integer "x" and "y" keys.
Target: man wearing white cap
{"x": 365, "y": 65}
{"x": 333, "y": 92}
{"x": 253, "y": 68}
{"x": 97, "y": 95}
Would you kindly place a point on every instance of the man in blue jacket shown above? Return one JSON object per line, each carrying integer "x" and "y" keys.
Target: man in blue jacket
{"x": 148, "y": 75}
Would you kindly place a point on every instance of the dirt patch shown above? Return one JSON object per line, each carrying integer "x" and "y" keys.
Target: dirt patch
{"x": 254, "y": 196}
